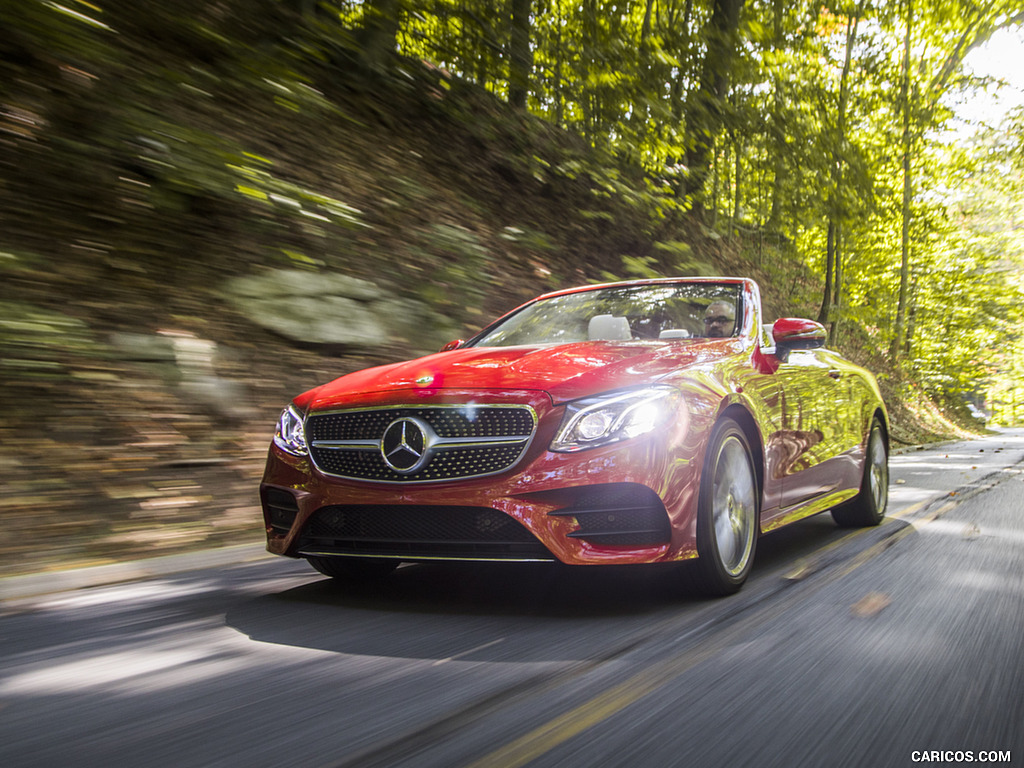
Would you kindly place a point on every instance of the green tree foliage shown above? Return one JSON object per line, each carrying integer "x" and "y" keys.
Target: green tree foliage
{"x": 819, "y": 127}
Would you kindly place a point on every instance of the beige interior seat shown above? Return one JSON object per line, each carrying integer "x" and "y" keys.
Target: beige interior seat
{"x": 608, "y": 328}
{"x": 675, "y": 333}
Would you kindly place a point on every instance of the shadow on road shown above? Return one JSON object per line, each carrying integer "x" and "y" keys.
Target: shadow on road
{"x": 513, "y": 612}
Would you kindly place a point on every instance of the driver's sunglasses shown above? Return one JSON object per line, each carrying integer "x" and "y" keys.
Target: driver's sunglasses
{"x": 718, "y": 320}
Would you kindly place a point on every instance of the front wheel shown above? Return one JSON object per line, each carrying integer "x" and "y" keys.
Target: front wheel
{"x": 868, "y": 506}
{"x": 727, "y": 513}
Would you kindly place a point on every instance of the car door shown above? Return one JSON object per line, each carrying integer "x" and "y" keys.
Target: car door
{"x": 814, "y": 433}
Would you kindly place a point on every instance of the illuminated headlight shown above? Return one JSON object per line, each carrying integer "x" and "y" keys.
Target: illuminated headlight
{"x": 607, "y": 419}
{"x": 289, "y": 435}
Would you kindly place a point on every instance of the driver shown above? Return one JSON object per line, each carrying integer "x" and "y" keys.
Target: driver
{"x": 719, "y": 319}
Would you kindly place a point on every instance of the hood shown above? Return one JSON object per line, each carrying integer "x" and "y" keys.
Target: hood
{"x": 564, "y": 372}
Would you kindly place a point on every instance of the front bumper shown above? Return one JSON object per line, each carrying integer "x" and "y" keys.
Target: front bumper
{"x": 629, "y": 502}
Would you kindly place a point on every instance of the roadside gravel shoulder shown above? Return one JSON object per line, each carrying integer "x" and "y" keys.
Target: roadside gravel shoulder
{"x": 34, "y": 584}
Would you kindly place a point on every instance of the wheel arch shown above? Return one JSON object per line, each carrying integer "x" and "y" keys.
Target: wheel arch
{"x": 883, "y": 421}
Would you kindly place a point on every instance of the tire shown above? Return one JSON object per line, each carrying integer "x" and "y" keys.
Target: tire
{"x": 728, "y": 512}
{"x": 351, "y": 569}
{"x": 868, "y": 507}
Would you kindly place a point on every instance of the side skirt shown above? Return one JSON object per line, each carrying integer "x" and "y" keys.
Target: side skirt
{"x": 808, "y": 508}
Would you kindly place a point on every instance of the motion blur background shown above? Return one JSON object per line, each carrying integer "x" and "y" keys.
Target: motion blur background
{"x": 209, "y": 207}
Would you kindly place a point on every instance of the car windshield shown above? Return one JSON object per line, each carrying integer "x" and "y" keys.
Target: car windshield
{"x": 621, "y": 313}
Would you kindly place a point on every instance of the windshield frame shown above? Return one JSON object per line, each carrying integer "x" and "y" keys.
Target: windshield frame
{"x": 746, "y": 306}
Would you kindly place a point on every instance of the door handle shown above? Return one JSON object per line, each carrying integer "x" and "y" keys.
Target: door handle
{"x": 835, "y": 374}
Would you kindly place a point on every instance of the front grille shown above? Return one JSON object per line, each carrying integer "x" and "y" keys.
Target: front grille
{"x": 419, "y": 532}
{"x": 618, "y": 514}
{"x": 456, "y": 441}
{"x": 447, "y": 421}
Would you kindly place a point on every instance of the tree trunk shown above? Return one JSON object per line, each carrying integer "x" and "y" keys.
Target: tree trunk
{"x": 830, "y": 261}
{"x": 706, "y": 114}
{"x": 677, "y": 96}
{"x": 896, "y": 350}
{"x": 837, "y": 296}
{"x": 737, "y": 181}
{"x": 835, "y": 215}
{"x": 777, "y": 141}
{"x": 520, "y": 54}
{"x": 588, "y": 98}
{"x": 645, "y": 30}
{"x": 378, "y": 36}
{"x": 908, "y": 343}
{"x": 559, "y": 95}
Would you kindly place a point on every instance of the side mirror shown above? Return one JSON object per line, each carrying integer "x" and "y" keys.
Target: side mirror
{"x": 453, "y": 345}
{"x": 797, "y": 333}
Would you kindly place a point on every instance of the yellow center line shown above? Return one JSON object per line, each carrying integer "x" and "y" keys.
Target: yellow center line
{"x": 598, "y": 709}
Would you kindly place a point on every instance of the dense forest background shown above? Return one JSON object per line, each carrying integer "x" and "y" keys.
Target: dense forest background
{"x": 434, "y": 164}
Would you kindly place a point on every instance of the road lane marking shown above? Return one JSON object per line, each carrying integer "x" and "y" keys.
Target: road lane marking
{"x": 603, "y": 706}
{"x": 466, "y": 653}
{"x": 814, "y": 562}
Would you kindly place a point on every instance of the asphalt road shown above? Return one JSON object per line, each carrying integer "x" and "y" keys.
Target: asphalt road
{"x": 874, "y": 648}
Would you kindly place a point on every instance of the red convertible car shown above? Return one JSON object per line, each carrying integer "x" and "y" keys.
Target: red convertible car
{"x": 652, "y": 421}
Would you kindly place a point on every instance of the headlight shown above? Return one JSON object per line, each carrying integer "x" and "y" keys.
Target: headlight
{"x": 289, "y": 435}
{"x": 607, "y": 419}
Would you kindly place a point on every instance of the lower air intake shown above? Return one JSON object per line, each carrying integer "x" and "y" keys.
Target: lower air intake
{"x": 419, "y": 532}
{"x": 617, "y": 514}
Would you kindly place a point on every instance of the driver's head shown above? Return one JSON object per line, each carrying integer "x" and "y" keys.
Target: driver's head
{"x": 719, "y": 319}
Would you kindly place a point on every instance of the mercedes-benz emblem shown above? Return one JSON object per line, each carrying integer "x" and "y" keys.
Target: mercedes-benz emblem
{"x": 405, "y": 445}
